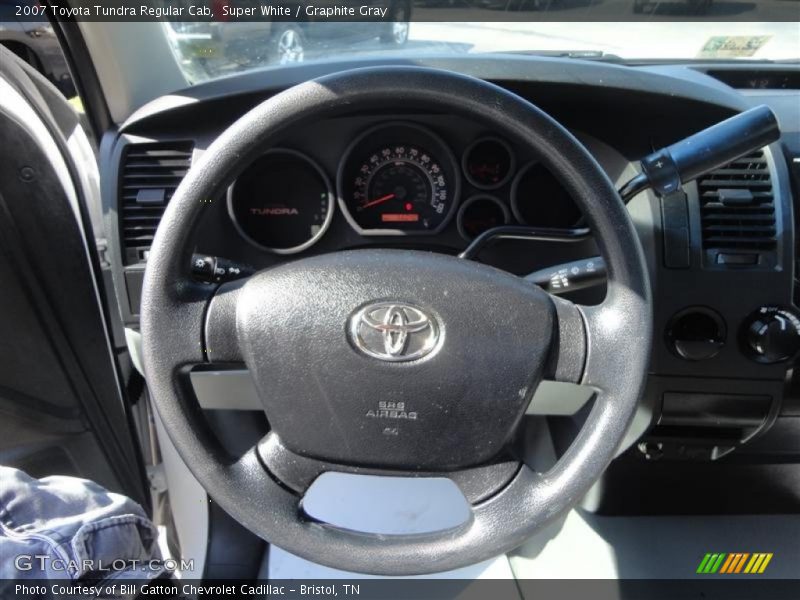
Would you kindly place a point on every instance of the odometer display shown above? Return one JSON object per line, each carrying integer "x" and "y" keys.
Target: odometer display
{"x": 398, "y": 188}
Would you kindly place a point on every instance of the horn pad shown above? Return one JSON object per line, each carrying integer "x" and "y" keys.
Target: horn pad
{"x": 394, "y": 358}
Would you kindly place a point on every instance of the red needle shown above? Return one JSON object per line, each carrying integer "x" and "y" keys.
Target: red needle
{"x": 385, "y": 198}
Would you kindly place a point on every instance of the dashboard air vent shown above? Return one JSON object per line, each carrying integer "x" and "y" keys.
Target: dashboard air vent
{"x": 149, "y": 175}
{"x": 737, "y": 207}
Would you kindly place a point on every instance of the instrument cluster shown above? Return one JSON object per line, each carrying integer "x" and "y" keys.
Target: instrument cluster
{"x": 395, "y": 179}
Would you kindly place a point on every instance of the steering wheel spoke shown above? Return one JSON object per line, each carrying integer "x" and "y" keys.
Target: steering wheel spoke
{"x": 222, "y": 344}
{"x": 568, "y": 357}
{"x": 298, "y": 472}
{"x": 586, "y": 349}
{"x": 610, "y": 324}
{"x": 188, "y": 302}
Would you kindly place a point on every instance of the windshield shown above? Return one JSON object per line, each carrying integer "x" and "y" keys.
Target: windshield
{"x": 213, "y": 49}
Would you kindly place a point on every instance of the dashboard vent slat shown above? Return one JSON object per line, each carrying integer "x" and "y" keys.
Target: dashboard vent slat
{"x": 149, "y": 175}
{"x": 747, "y": 225}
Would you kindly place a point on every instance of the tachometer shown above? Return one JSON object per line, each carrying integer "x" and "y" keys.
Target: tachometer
{"x": 406, "y": 185}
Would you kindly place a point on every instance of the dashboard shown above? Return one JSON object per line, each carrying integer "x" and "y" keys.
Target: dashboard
{"x": 404, "y": 179}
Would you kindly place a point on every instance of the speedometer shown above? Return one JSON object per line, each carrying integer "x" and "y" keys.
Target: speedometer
{"x": 406, "y": 185}
{"x": 401, "y": 187}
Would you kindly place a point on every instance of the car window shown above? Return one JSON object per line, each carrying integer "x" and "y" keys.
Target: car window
{"x": 208, "y": 50}
{"x": 34, "y": 41}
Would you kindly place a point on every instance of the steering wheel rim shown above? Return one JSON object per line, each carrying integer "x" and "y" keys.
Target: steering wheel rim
{"x": 600, "y": 346}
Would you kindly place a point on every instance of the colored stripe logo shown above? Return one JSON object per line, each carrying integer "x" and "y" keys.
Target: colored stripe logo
{"x": 733, "y": 563}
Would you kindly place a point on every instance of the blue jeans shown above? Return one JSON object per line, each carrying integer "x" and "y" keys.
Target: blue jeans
{"x": 71, "y": 529}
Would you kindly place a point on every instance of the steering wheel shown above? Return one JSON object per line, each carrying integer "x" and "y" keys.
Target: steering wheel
{"x": 395, "y": 362}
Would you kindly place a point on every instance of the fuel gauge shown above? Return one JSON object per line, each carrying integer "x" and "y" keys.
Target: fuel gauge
{"x": 481, "y": 213}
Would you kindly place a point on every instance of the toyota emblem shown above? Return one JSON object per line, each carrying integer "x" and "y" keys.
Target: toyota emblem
{"x": 394, "y": 331}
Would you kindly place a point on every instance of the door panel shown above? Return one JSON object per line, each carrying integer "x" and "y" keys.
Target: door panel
{"x": 62, "y": 406}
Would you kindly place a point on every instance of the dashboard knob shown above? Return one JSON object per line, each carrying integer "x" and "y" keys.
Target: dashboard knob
{"x": 773, "y": 334}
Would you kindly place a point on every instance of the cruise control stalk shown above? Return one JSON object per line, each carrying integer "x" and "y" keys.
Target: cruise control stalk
{"x": 664, "y": 171}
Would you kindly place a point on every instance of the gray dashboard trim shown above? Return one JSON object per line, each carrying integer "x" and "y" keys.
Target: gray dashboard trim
{"x": 234, "y": 390}
{"x": 225, "y": 390}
